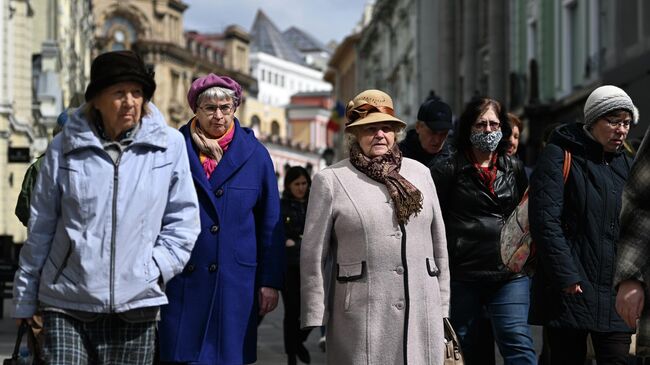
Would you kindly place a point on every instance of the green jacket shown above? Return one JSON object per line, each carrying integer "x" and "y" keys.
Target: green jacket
{"x": 22, "y": 205}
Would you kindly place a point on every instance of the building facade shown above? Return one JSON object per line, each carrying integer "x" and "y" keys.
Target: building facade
{"x": 154, "y": 29}
{"x": 565, "y": 49}
{"x": 44, "y": 66}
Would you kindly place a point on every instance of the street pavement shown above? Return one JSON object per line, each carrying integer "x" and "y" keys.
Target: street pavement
{"x": 270, "y": 344}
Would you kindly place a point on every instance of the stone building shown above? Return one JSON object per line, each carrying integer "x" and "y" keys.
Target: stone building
{"x": 44, "y": 67}
{"x": 155, "y": 30}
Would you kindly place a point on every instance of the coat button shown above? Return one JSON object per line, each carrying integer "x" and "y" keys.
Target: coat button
{"x": 398, "y": 235}
{"x": 214, "y": 229}
{"x": 212, "y": 268}
{"x": 399, "y": 305}
{"x": 399, "y": 270}
{"x": 190, "y": 268}
{"x": 219, "y": 192}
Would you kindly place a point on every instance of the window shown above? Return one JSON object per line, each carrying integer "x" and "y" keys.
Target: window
{"x": 275, "y": 128}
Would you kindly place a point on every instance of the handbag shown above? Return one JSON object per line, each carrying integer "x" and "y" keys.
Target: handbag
{"x": 517, "y": 247}
{"x": 453, "y": 354}
{"x": 36, "y": 355}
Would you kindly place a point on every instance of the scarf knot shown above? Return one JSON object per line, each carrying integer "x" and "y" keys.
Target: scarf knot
{"x": 211, "y": 150}
{"x": 385, "y": 169}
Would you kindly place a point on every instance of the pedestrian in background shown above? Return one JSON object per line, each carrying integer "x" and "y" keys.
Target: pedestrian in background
{"x": 237, "y": 264}
{"x": 113, "y": 218}
{"x": 426, "y": 143}
{"x": 479, "y": 187}
{"x": 24, "y": 198}
{"x": 631, "y": 275}
{"x": 376, "y": 217}
{"x": 293, "y": 207}
{"x": 576, "y": 228}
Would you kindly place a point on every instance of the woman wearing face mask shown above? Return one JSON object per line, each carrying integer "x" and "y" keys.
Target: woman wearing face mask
{"x": 478, "y": 188}
{"x": 293, "y": 208}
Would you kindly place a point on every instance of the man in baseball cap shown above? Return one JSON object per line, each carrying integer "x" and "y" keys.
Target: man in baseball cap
{"x": 426, "y": 142}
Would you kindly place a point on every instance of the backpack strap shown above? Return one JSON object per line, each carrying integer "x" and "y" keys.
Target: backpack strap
{"x": 566, "y": 167}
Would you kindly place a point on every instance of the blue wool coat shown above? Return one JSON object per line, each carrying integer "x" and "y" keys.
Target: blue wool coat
{"x": 212, "y": 315}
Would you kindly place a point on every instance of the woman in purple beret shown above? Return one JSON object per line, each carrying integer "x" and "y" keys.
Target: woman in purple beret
{"x": 237, "y": 264}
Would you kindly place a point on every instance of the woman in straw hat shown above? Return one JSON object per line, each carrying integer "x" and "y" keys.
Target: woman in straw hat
{"x": 374, "y": 256}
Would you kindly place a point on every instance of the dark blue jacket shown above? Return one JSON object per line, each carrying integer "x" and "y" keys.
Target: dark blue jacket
{"x": 212, "y": 313}
{"x": 576, "y": 227}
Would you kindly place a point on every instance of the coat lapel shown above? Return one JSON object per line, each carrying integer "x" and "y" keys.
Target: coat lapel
{"x": 240, "y": 150}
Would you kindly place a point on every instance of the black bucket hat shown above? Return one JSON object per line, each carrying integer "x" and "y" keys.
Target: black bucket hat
{"x": 112, "y": 67}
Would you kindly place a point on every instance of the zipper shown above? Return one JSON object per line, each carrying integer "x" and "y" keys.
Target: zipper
{"x": 406, "y": 295}
{"x": 64, "y": 263}
{"x": 116, "y": 175}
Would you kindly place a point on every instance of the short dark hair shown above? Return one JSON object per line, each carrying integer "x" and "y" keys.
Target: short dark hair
{"x": 473, "y": 110}
{"x": 292, "y": 174}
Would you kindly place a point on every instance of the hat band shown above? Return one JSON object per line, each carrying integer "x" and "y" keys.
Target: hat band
{"x": 362, "y": 111}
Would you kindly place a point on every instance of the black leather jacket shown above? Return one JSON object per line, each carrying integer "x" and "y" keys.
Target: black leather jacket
{"x": 474, "y": 216}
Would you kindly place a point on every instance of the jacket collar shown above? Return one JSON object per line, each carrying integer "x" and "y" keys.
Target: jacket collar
{"x": 78, "y": 133}
{"x": 241, "y": 148}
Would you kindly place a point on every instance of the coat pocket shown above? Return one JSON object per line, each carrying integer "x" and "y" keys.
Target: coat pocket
{"x": 432, "y": 269}
{"x": 350, "y": 272}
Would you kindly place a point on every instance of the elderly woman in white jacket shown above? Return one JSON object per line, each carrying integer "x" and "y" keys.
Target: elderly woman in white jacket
{"x": 114, "y": 216}
{"x": 375, "y": 218}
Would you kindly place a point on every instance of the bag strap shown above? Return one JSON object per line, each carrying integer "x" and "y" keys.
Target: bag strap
{"x": 566, "y": 167}
{"x": 19, "y": 338}
{"x": 450, "y": 335}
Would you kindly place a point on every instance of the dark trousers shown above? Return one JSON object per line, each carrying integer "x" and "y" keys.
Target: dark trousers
{"x": 569, "y": 346}
{"x": 293, "y": 335}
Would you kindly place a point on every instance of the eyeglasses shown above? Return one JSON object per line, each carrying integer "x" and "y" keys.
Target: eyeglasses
{"x": 618, "y": 123}
{"x": 211, "y": 110}
{"x": 482, "y": 125}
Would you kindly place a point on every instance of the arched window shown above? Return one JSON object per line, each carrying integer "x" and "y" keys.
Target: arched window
{"x": 275, "y": 128}
{"x": 120, "y": 33}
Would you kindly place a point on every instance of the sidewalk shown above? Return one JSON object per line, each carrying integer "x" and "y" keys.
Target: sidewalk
{"x": 270, "y": 344}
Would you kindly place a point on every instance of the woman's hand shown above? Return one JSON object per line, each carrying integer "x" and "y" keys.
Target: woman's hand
{"x": 268, "y": 300}
{"x": 290, "y": 243}
{"x": 629, "y": 301}
{"x": 573, "y": 289}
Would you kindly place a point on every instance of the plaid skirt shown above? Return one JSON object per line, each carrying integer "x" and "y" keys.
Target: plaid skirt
{"x": 105, "y": 340}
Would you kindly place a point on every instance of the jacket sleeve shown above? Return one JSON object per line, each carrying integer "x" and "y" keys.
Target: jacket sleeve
{"x": 180, "y": 222}
{"x": 633, "y": 247}
{"x": 314, "y": 253}
{"x": 522, "y": 178}
{"x": 440, "y": 251}
{"x": 443, "y": 174}
{"x": 45, "y": 209}
{"x": 270, "y": 230}
{"x": 546, "y": 202}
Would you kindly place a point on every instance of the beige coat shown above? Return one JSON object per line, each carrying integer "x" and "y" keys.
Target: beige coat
{"x": 355, "y": 262}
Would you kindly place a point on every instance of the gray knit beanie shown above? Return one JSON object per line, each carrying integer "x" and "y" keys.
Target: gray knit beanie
{"x": 606, "y": 99}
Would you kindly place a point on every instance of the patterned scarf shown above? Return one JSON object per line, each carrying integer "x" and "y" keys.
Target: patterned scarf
{"x": 487, "y": 175}
{"x": 385, "y": 169}
{"x": 211, "y": 150}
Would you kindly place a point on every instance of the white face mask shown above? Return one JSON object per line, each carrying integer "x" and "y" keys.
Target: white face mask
{"x": 486, "y": 142}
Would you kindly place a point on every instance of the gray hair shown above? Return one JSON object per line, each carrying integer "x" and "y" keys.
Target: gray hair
{"x": 217, "y": 93}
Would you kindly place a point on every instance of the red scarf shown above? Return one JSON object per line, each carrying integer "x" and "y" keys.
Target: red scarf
{"x": 487, "y": 175}
{"x": 211, "y": 150}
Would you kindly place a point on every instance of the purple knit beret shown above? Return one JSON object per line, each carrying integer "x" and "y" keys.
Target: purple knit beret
{"x": 211, "y": 80}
